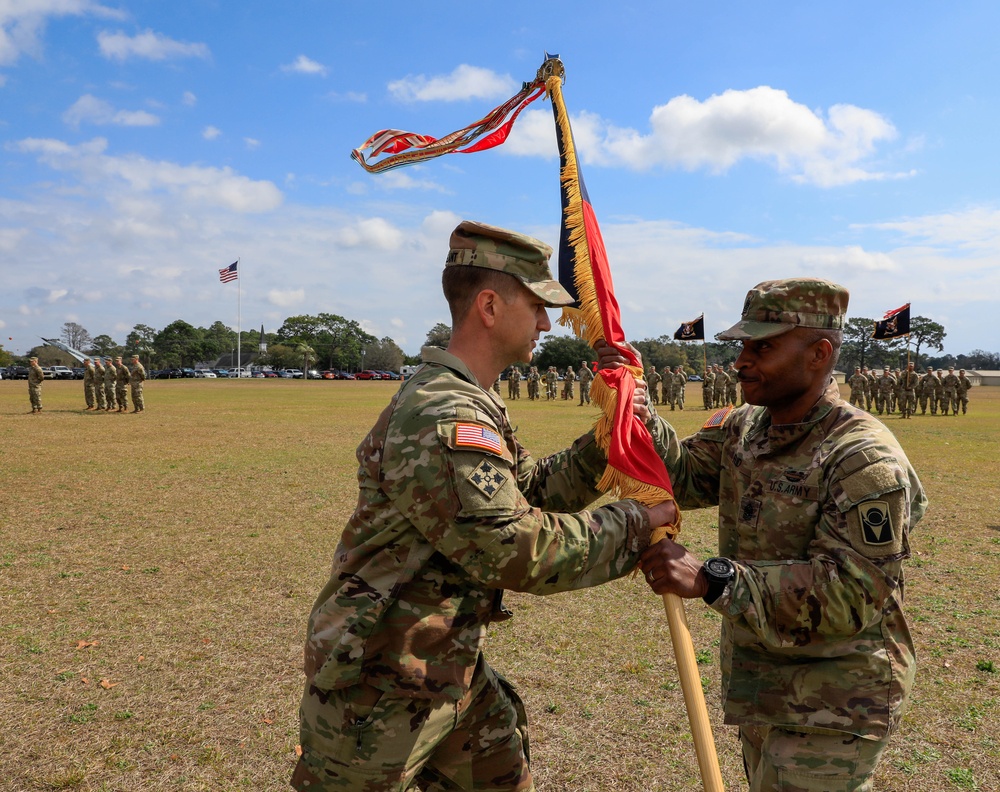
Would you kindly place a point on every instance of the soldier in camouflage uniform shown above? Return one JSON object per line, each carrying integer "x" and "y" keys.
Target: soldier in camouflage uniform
{"x": 719, "y": 385}
{"x": 135, "y": 379}
{"x": 732, "y": 396}
{"x": 816, "y": 501}
{"x": 110, "y": 381}
{"x": 88, "y": 383}
{"x": 949, "y": 386}
{"x": 35, "y": 379}
{"x": 568, "y": 379}
{"x": 927, "y": 392}
{"x": 585, "y": 376}
{"x": 872, "y": 388}
{"x": 653, "y": 380}
{"x": 102, "y": 403}
{"x": 964, "y": 385}
{"x": 551, "y": 380}
{"x": 707, "y": 384}
{"x": 939, "y": 393}
{"x": 859, "y": 384}
{"x": 121, "y": 387}
{"x": 450, "y": 513}
{"x": 884, "y": 394}
{"x": 533, "y": 379}
{"x": 908, "y": 381}
{"x": 513, "y": 383}
{"x": 680, "y": 383}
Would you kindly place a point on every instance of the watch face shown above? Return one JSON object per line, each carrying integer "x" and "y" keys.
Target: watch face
{"x": 719, "y": 567}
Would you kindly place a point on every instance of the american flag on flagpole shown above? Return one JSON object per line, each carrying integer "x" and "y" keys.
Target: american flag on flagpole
{"x": 229, "y": 273}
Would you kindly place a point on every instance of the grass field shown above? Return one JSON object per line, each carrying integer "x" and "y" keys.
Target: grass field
{"x": 157, "y": 570}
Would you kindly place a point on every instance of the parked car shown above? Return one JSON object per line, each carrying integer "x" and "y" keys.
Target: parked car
{"x": 17, "y": 372}
{"x": 313, "y": 374}
{"x": 389, "y": 375}
{"x": 270, "y": 374}
{"x": 221, "y": 373}
{"x": 368, "y": 374}
{"x": 694, "y": 378}
{"x": 205, "y": 374}
{"x": 61, "y": 372}
{"x": 343, "y": 375}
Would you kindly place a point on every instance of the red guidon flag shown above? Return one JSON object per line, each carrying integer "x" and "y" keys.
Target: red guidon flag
{"x": 634, "y": 469}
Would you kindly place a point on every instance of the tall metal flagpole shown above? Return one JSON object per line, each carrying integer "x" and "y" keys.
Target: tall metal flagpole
{"x": 239, "y": 318}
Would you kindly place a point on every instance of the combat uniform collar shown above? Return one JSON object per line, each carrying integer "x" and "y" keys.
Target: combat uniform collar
{"x": 433, "y": 354}
{"x": 765, "y": 438}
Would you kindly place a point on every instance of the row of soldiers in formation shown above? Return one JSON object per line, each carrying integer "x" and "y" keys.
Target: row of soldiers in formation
{"x": 104, "y": 384}
{"x": 904, "y": 390}
{"x": 551, "y": 377}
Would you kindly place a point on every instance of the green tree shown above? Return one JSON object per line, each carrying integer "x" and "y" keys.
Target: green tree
{"x": 562, "y": 351}
{"x": 219, "y": 339}
{"x": 139, "y": 341}
{"x": 6, "y": 358}
{"x": 75, "y": 336}
{"x": 103, "y": 345}
{"x": 308, "y": 355}
{"x": 925, "y": 333}
{"x": 280, "y": 356}
{"x": 383, "y": 355}
{"x": 439, "y": 335}
{"x": 178, "y": 344}
{"x": 664, "y": 352}
{"x": 859, "y": 348}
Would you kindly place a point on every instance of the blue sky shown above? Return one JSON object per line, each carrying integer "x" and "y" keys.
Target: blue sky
{"x": 145, "y": 145}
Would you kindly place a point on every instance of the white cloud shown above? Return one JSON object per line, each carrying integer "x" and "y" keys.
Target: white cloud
{"x": 373, "y": 233}
{"x": 465, "y": 82}
{"x": 974, "y": 229}
{"x": 211, "y": 186}
{"x": 286, "y": 298}
{"x": 348, "y": 96}
{"x": 149, "y": 45}
{"x": 251, "y": 143}
{"x": 189, "y": 99}
{"x": 852, "y": 258}
{"x": 23, "y": 23}
{"x": 3, "y": 80}
{"x": 211, "y": 132}
{"x": 304, "y": 65}
{"x": 760, "y": 124}
{"x": 91, "y": 110}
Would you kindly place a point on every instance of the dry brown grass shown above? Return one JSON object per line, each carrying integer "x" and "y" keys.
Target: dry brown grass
{"x": 174, "y": 556}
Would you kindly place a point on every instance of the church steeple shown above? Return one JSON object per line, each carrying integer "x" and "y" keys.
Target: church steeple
{"x": 263, "y": 341}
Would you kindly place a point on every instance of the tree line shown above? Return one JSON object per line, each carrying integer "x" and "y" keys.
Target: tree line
{"x": 330, "y": 341}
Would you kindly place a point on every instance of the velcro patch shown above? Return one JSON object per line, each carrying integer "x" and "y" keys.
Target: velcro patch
{"x": 470, "y": 435}
{"x": 487, "y": 478}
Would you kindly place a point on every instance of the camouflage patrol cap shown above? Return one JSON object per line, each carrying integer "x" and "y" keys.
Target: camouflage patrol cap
{"x": 527, "y": 259}
{"x": 779, "y": 306}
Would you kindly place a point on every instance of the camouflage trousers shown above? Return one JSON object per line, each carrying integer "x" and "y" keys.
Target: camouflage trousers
{"x": 779, "y": 760}
{"x": 109, "y": 396}
{"x": 858, "y": 399}
{"x": 585, "y": 393}
{"x": 121, "y": 394}
{"x": 706, "y": 397}
{"x": 88, "y": 394}
{"x": 364, "y": 740}
{"x": 138, "y": 403}
{"x": 35, "y": 396}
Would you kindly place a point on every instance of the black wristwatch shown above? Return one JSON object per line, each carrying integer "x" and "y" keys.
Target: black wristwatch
{"x": 720, "y": 573}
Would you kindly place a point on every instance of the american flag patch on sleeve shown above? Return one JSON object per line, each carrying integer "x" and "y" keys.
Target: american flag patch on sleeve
{"x": 718, "y": 418}
{"x": 470, "y": 435}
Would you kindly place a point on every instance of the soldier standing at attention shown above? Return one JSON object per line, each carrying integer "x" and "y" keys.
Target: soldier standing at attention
{"x": 949, "y": 385}
{"x": 551, "y": 378}
{"x": 88, "y": 383}
{"x": 496, "y": 385}
{"x": 939, "y": 392}
{"x": 706, "y": 387}
{"x": 102, "y": 403}
{"x": 908, "y": 391}
{"x": 719, "y": 385}
{"x": 680, "y": 383}
{"x": 136, "y": 377}
{"x": 927, "y": 392}
{"x": 568, "y": 379}
{"x": 858, "y": 384}
{"x": 885, "y": 385}
{"x": 653, "y": 380}
{"x": 35, "y": 379}
{"x": 964, "y": 385}
{"x": 586, "y": 376}
{"x": 121, "y": 387}
{"x": 510, "y": 384}
{"x": 110, "y": 380}
{"x": 733, "y": 376}
{"x": 533, "y": 379}
{"x": 872, "y": 394}
{"x": 816, "y": 501}
{"x": 398, "y": 692}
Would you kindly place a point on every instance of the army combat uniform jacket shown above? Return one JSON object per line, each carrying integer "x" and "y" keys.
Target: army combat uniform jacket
{"x": 450, "y": 513}
{"x": 816, "y": 517}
